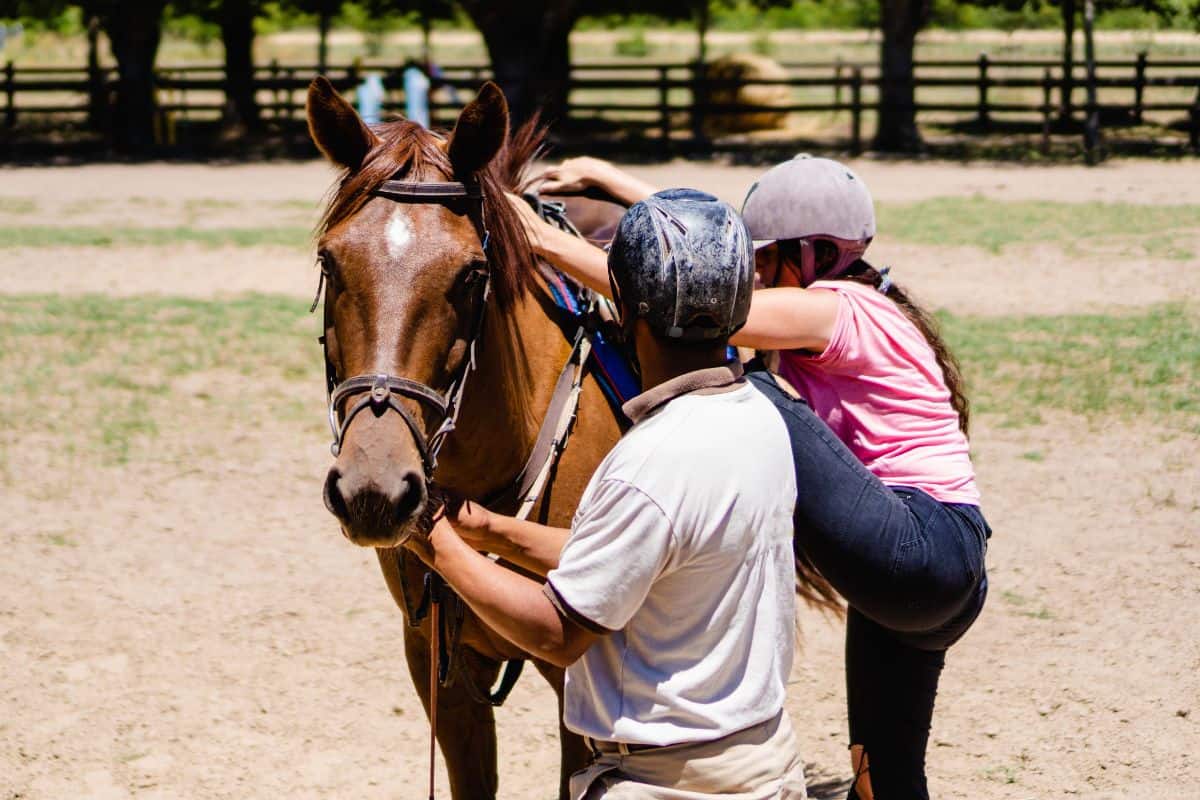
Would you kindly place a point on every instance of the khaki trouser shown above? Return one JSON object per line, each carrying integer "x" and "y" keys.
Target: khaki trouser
{"x": 758, "y": 763}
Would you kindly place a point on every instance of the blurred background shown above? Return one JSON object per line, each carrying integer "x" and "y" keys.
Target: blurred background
{"x": 1022, "y": 78}
{"x": 179, "y": 616}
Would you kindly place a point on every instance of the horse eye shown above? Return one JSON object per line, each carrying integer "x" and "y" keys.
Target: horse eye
{"x": 474, "y": 275}
{"x": 327, "y": 264}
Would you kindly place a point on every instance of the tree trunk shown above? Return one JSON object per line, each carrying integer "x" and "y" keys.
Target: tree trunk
{"x": 237, "y": 34}
{"x": 134, "y": 30}
{"x": 897, "y": 128}
{"x": 1065, "y": 107}
{"x": 529, "y": 46}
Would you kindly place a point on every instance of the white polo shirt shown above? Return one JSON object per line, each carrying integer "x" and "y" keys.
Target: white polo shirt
{"x": 681, "y": 551}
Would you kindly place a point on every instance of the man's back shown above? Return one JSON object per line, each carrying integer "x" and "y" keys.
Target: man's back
{"x": 682, "y": 548}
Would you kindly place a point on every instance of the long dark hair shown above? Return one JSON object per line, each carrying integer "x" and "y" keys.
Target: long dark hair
{"x": 862, "y": 272}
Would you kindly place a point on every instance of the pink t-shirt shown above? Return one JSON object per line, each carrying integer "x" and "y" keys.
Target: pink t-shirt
{"x": 879, "y": 388}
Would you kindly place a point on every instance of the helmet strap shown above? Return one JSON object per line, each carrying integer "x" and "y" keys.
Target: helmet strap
{"x": 848, "y": 253}
{"x": 808, "y": 263}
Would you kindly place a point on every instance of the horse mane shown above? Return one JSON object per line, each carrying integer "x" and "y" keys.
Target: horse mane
{"x": 406, "y": 150}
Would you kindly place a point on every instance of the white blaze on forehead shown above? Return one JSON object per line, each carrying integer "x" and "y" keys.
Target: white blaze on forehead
{"x": 399, "y": 234}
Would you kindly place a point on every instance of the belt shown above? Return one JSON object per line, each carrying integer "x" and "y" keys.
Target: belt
{"x": 598, "y": 746}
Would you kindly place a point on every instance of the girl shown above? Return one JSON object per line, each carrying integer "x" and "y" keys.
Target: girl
{"x": 888, "y": 511}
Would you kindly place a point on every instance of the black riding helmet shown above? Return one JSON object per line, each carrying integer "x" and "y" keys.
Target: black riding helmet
{"x": 683, "y": 261}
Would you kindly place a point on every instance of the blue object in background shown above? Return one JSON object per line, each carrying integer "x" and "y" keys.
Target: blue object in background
{"x": 370, "y": 95}
{"x": 416, "y": 95}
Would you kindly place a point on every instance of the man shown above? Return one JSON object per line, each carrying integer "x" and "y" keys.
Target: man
{"x": 670, "y": 600}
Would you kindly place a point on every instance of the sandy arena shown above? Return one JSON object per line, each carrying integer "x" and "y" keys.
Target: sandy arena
{"x": 197, "y": 628}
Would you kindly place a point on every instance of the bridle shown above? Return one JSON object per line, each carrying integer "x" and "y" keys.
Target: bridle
{"x": 380, "y": 391}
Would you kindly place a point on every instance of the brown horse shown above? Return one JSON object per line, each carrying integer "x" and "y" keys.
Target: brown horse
{"x": 400, "y": 301}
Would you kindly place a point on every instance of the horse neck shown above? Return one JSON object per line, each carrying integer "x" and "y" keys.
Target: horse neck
{"x": 518, "y": 359}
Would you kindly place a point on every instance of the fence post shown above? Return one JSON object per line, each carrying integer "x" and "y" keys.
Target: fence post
{"x": 664, "y": 111}
{"x": 274, "y": 72}
{"x": 1194, "y": 131}
{"x": 97, "y": 101}
{"x": 856, "y": 81}
{"x": 984, "y": 116}
{"x": 1091, "y": 124}
{"x": 1047, "y": 89}
{"x": 10, "y": 94}
{"x": 290, "y": 76}
{"x": 1139, "y": 85}
{"x": 183, "y": 101}
{"x": 837, "y": 81}
{"x": 699, "y": 70}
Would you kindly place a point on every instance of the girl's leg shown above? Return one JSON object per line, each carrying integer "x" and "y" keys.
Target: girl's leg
{"x": 890, "y": 689}
{"x": 898, "y": 561}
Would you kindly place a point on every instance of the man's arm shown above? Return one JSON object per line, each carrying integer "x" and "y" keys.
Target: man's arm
{"x": 511, "y": 604}
{"x": 526, "y": 544}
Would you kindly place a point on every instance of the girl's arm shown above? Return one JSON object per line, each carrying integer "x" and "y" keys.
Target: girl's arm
{"x": 577, "y": 175}
{"x": 789, "y": 318}
{"x": 785, "y": 318}
{"x": 577, "y": 257}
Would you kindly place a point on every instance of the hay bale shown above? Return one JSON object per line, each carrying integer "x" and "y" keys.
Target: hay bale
{"x": 746, "y": 66}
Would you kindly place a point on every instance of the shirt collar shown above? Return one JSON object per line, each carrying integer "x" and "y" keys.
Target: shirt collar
{"x": 638, "y": 408}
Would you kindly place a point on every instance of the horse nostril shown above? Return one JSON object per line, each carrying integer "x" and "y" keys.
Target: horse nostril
{"x": 409, "y": 497}
{"x": 333, "y": 496}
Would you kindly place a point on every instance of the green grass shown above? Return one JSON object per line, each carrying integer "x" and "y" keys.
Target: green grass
{"x": 1022, "y": 606}
{"x": 993, "y": 225}
{"x": 1143, "y": 363}
{"x": 106, "y": 373}
{"x": 99, "y": 236}
{"x": 110, "y": 379}
{"x": 17, "y": 205}
{"x": 1138, "y": 230}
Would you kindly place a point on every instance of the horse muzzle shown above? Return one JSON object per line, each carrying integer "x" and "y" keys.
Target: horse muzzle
{"x": 375, "y": 512}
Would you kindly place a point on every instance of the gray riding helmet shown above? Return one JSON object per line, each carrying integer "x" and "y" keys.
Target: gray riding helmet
{"x": 810, "y": 198}
{"x": 682, "y": 260}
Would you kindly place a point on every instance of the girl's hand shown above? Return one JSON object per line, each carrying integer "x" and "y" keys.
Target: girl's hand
{"x": 535, "y": 226}
{"x": 575, "y": 175}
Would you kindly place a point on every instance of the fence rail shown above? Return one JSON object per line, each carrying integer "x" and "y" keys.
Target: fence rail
{"x": 673, "y": 103}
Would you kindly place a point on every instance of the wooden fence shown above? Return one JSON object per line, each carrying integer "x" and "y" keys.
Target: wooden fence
{"x": 669, "y": 103}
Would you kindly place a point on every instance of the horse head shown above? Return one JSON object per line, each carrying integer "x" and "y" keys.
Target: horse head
{"x": 407, "y": 273}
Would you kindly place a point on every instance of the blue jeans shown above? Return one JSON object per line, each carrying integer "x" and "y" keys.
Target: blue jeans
{"x": 911, "y": 569}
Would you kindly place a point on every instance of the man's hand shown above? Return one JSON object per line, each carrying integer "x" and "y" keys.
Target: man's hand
{"x": 472, "y": 522}
{"x": 510, "y": 603}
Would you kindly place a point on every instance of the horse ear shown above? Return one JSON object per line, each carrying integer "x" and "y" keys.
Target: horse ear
{"x": 335, "y": 127}
{"x": 480, "y": 132}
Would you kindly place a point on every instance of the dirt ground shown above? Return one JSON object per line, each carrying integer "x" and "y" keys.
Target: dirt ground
{"x": 202, "y": 631}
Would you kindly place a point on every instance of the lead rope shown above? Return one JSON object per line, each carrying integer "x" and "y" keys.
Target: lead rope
{"x": 435, "y": 597}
